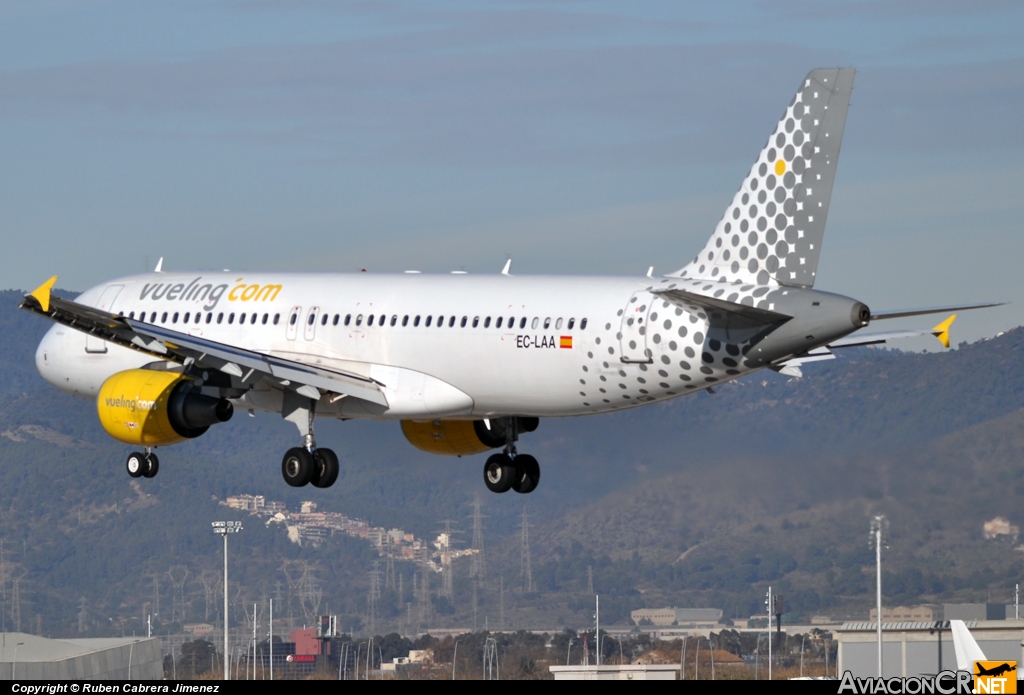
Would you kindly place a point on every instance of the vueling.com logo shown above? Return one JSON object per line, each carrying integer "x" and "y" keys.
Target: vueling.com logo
{"x": 130, "y": 404}
{"x": 198, "y": 291}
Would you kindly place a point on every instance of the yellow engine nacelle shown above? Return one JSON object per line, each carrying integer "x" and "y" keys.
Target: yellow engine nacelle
{"x": 156, "y": 408}
{"x": 460, "y": 437}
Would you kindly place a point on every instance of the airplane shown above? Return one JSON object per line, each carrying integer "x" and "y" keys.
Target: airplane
{"x": 469, "y": 363}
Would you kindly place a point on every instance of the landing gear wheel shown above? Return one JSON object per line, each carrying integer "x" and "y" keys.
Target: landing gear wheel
{"x": 136, "y": 464}
{"x": 527, "y": 474}
{"x": 325, "y": 468}
{"x": 297, "y": 467}
{"x": 499, "y": 472}
{"x": 152, "y": 466}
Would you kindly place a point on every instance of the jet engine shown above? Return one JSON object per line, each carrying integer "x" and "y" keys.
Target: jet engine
{"x": 462, "y": 437}
{"x": 157, "y": 408}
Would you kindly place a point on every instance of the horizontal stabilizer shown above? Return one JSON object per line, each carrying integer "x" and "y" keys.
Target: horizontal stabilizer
{"x": 722, "y": 313}
{"x": 941, "y": 332}
{"x": 901, "y": 313}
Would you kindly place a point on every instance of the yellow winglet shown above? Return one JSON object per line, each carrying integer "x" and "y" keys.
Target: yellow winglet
{"x": 942, "y": 330}
{"x": 42, "y": 293}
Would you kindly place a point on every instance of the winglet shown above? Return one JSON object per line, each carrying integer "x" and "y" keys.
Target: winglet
{"x": 42, "y": 294}
{"x": 942, "y": 330}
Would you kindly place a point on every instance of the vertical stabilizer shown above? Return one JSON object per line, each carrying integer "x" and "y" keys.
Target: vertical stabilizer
{"x": 771, "y": 234}
{"x": 967, "y": 650}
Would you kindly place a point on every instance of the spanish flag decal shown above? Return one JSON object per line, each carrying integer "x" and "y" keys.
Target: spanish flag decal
{"x": 565, "y": 341}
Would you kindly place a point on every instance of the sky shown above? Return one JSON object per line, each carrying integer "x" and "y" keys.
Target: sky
{"x": 573, "y": 137}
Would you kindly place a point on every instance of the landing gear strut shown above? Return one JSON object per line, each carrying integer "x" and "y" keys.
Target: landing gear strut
{"x": 511, "y": 470}
{"x": 306, "y": 464}
{"x": 142, "y": 464}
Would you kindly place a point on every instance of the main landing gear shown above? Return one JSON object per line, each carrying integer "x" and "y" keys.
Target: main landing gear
{"x": 144, "y": 465}
{"x": 306, "y": 464}
{"x": 301, "y": 466}
{"x": 510, "y": 470}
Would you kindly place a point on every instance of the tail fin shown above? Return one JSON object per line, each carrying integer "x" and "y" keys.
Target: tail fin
{"x": 967, "y": 650}
{"x": 772, "y": 231}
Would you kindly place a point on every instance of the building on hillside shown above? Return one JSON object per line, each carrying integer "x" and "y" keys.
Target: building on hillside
{"x": 1000, "y": 528}
{"x": 26, "y": 657}
{"x": 976, "y": 611}
{"x": 920, "y": 614}
{"x": 683, "y": 617}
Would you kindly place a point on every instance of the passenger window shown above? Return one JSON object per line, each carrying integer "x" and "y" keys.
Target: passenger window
{"x": 348, "y": 319}
{"x": 337, "y": 317}
{"x": 291, "y": 321}
{"x": 476, "y": 321}
{"x": 522, "y": 322}
{"x": 369, "y": 320}
{"x": 440, "y": 321}
{"x": 451, "y": 321}
{"x": 220, "y": 317}
{"x": 277, "y": 318}
{"x": 323, "y": 321}
{"x": 497, "y": 324}
{"x": 429, "y": 319}
{"x": 188, "y": 315}
{"x": 209, "y": 317}
{"x": 462, "y": 324}
{"x": 267, "y": 316}
{"x": 231, "y": 317}
{"x": 405, "y": 320}
{"x": 163, "y": 319}
{"x": 571, "y": 322}
{"x": 535, "y": 322}
{"x": 416, "y": 321}
{"x": 394, "y": 319}
{"x": 583, "y": 325}
{"x": 487, "y": 322}
{"x": 511, "y": 321}
{"x": 547, "y": 323}
{"x": 309, "y": 322}
{"x": 359, "y": 320}
{"x": 381, "y": 320}
{"x": 558, "y": 324}
{"x": 131, "y": 314}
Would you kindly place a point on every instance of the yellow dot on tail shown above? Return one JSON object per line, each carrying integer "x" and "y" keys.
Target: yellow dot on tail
{"x": 780, "y": 167}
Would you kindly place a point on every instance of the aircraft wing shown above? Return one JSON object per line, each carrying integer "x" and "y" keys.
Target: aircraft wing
{"x": 250, "y": 366}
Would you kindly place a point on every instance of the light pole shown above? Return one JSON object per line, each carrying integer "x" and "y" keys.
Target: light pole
{"x": 224, "y": 528}
{"x": 770, "y": 602}
{"x": 879, "y": 525}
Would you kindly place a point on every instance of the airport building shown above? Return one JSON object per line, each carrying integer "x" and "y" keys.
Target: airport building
{"x": 911, "y": 648}
{"x": 29, "y": 657}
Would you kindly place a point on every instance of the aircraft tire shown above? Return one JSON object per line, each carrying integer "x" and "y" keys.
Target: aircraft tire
{"x": 499, "y": 472}
{"x": 297, "y": 467}
{"x": 325, "y": 468}
{"x": 152, "y": 466}
{"x": 136, "y": 464}
{"x": 527, "y": 474}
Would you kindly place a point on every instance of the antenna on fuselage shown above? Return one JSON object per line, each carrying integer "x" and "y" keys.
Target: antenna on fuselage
{"x": 650, "y": 271}
{"x": 508, "y": 264}
{"x": 159, "y": 266}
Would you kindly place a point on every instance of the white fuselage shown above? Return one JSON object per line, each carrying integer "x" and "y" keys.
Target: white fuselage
{"x": 456, "y": 346}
